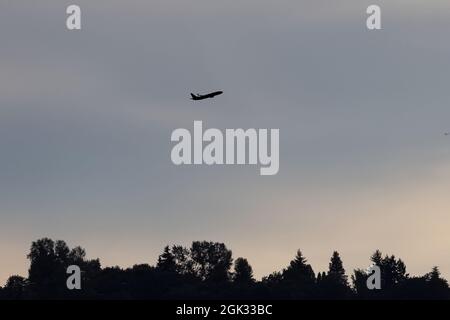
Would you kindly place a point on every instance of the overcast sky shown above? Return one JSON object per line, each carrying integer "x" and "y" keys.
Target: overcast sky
{"x": 86, "y": 118}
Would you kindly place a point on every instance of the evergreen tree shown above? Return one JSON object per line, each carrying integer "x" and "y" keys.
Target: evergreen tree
{"x": 243, "y": 272}
{"x": 437, "y": 287}
{"x": 377, "y": 258}
{"x": 166, "y": 261}
{"x": 336, "y": 271}
{"x": 299, "y": 270}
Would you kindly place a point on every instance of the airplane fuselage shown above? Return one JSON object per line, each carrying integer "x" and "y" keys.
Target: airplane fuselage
{"x": 205, "y": 96}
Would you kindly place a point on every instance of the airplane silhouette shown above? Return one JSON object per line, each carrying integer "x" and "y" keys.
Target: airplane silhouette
{"x": 205, "y": 96}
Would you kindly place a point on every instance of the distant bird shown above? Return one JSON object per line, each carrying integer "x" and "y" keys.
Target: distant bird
{"x": 205, "y": 96}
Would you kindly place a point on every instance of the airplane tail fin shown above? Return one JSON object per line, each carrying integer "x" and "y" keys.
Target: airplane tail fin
{"x": 193, "y": 96}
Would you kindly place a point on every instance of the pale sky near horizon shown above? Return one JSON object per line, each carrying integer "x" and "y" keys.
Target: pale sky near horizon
{"x": 86, "y": 119}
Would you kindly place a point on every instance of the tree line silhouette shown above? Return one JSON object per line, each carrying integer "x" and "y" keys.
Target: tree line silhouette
{"x": 206, "y": 270}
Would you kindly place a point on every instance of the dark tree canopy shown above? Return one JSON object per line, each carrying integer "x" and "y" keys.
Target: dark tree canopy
{"x": 203, "y": 271}
{"x": 211, "y": 261}
{"x": 15, "y": 287}
{"x": 48, "y": 267}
